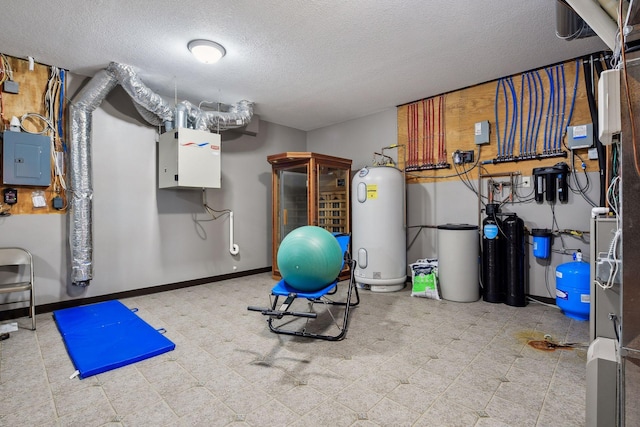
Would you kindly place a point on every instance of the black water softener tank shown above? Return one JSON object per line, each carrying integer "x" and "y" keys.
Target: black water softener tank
{"x": 493, "y": 246}
{"x": 513, "y": 228}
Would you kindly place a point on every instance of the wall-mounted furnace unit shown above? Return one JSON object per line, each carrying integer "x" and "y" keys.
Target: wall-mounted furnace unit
{"x": 189, "y": 158}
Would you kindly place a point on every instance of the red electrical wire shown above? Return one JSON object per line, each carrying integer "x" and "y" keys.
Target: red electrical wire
{"x": 433, "y": 130}
{"x": 409, "y": 142}
{"x": 439, "y": 129}
{"x": 443, "y": 152}
{"x": 430, "y": 136}
{"x": 413, "y": 135}
{"x": 417, "y": 134}
{"x": 425, "y": 155}
{"x": 423, "y": 140}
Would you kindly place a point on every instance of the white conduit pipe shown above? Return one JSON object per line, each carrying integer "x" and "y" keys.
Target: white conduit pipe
{"x": 233, "y": 248}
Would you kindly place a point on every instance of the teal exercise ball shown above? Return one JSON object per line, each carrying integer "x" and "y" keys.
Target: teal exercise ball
{"x": 309, "y": 258}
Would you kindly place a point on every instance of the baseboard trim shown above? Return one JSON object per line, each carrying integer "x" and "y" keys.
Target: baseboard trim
{"x": 546, "y": 300}
{"x": 47, "y": 308}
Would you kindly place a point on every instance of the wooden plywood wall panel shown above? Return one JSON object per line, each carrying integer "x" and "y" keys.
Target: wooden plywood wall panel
{"x": 466, "y": 107}
{"x": 30, "y": 99}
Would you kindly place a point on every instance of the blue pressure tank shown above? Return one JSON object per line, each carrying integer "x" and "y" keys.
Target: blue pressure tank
{"x": 573, "y": 295}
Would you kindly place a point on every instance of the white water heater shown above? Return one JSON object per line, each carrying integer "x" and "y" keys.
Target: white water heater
{"x": 379, "y": 240}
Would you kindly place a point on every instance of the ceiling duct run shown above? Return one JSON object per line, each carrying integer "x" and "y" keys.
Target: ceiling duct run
{"x": 582, "y": 18}
{"x": 155, "y": 111}
{"x": 569, "y": 25}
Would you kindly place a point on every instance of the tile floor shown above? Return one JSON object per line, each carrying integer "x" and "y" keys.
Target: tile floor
{"x": 405, "y": 361}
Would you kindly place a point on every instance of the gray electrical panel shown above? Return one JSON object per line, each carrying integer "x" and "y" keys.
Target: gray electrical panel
{"x": 580, "y": 136}
{"x": 26, "y": 159}
{"x": 481, "y": 133}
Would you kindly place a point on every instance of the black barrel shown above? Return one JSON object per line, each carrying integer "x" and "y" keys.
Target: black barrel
{"x": 493, "y": 244}
{"x": 513, "y": 228}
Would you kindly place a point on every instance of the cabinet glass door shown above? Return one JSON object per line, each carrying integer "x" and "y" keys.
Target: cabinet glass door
{"x": 293, "y": 209}
{"x": 333, "y": 199}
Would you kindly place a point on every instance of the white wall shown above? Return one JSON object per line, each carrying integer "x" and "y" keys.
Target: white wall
{"x": 357, "y": 139}
{"x": 144, "y": 236}
{"x": 437, "y": 203}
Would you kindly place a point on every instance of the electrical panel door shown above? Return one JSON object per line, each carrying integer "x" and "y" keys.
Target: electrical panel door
{"x": 26, "y": 159}
{"x": 189, "y": 158}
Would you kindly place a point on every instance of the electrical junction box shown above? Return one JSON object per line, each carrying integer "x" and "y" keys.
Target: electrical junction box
{"x": 580, "y": 136}
{"x": 481, "y": 133}
{"x": 189, "y": 158}
{"x": 26, "y": 159}
{"x": 609, "y": 120}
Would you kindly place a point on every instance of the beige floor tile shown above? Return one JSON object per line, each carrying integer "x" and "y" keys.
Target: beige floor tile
{"x": 390, "y": 413}
{"x": 445, "y": 412}
{"x": 405, "y": 361}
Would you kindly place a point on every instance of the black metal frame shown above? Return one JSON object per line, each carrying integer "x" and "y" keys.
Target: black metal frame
{"x": 279, "y": 312}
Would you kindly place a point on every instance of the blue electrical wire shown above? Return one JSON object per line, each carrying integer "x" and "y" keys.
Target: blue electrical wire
{"x": 548, "y": 129}
{"x": 554, "y": 112}
{"x": 521, "y": 108}
{"x": 495, "y": 110}
{"x": 529, "y": 124}
{"x": 556, "y": 109}
{"x": 563, "y": 125}
{"x": 575, "y": 90}
{"x": 506, "y": 118}
{"x": 532, "y": 137}
{"x": 514, "y": 117}
{"x": 538, "y": 85}
{"x": 60, "y": 110}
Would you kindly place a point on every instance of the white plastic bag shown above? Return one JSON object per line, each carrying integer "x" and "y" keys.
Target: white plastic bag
{"x": 424, "y": 279}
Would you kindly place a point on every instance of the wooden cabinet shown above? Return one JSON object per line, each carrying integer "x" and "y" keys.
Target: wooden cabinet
{"x": 309, "y": 189}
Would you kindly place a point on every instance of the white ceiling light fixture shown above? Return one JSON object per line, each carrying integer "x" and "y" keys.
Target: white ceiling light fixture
{"x": 206, "y": 51}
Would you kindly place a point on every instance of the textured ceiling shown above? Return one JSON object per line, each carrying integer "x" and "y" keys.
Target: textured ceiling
{"x": 306, "y": 64}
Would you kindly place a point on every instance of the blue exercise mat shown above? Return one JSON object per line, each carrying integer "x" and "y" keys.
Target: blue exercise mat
{"x": 107, "y": 335}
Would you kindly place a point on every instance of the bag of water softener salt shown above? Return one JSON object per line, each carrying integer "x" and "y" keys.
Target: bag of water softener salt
{"x": 424, "y": 277}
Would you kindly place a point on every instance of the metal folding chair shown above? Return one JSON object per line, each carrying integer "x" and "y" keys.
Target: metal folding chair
{"x": 22, "y": 259}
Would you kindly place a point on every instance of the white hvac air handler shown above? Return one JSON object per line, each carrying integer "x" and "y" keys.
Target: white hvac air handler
{"x": 379, "y": 237}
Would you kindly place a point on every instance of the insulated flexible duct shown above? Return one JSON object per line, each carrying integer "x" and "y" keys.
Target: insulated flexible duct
{"x": 569, "y": 25}
{"x": 216, "y": 121}
{"x": 141, "y": 95}
{"x": 80, "y": 235}
{"x": 155, "y": 111}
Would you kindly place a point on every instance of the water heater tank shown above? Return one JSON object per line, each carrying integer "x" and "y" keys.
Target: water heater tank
{"x": 379, "y": 240}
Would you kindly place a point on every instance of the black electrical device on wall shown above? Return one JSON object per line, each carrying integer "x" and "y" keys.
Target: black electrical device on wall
{"x": 551, "y": 181}
{"x": 460, "y": 157}
{"x": 10, "y": 196}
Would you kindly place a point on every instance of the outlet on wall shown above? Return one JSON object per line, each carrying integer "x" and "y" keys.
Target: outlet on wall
{"x": 526, "y": 182}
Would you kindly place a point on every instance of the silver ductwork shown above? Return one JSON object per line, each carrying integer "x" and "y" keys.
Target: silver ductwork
{"x": 156, "y": 112}
{"x": 569, "y": 25}
{"x": 238, "y": 115}
{"x": 143, "y": 97}
{"x": 578, "y": 18}
{"x": 80, "y": 232}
